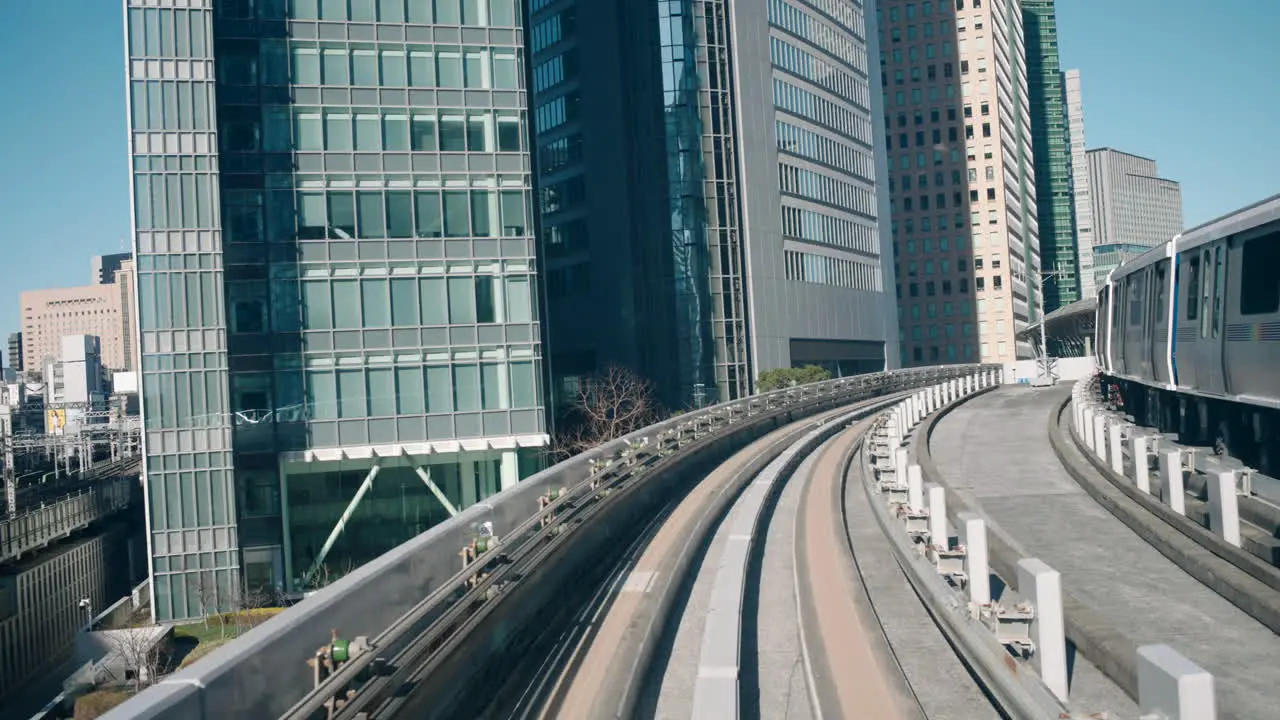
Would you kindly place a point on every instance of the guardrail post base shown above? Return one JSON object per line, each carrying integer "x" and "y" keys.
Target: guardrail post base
{"x": 1042, "y": 585}
{"x": 977, "y": 567}
{"x": 1224, "y": 508}
{"x": 1172, "y": 491}
{"x": 1171, "y": 687}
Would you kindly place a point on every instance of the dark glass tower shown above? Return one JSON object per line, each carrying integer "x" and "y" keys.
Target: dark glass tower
{"x": 336, "y": 280}
{"x": 709, "y": 190}
{"x": 1052, "y": 152}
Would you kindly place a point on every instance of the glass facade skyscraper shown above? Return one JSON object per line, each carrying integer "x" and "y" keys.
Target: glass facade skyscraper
{"x": 710, "y": 195}
{"x": 337, "y": 299}
{"x": 1052, "y": 152}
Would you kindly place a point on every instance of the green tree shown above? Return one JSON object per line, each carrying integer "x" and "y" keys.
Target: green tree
{"x": 790, "y": 377}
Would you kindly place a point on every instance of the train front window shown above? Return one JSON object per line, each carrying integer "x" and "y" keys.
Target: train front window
{"x": 1260, "y": 275}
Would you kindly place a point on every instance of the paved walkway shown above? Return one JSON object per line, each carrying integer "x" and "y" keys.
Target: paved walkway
{"x": 995, "y": 451}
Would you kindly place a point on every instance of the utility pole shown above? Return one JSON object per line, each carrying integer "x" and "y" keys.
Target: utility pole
{"x": 10, "y": 479}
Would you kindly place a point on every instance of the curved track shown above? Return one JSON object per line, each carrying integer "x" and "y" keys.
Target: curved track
{"x": 814, "y": 640}
{"x": 761, "y": 587}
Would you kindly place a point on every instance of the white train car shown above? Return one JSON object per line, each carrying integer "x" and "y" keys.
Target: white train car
{"x": 1190, "y": 333}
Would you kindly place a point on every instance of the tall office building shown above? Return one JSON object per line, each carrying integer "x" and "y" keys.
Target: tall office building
{"x": 1081, "y": 195}
{"x": 336, "y": 281}
{"x": 1052, "y": 154}
{"x": 105, "y": 267}
{"x": 15, "y": 352}
{"x": 49, "y": 315}
{"x": 964, "y": 203}
{"x": 709, "y": 190}
{"x": 1133, "y": 207}
{"x": 123, "y": 279}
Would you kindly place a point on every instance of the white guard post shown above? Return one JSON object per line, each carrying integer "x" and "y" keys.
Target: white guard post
{"x": 938, "y": 536}
{"x": 1141, "y": 471}
{"x": 1224, "y": 508}
{"x": 1174, "y": 495}
{"x": 973, "y": 531}
{"x": 1042, "y": 586}
{"x": 1171, "y": 687}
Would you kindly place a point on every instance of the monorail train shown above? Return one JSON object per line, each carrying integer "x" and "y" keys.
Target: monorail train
{"x": 1189, "y": 333}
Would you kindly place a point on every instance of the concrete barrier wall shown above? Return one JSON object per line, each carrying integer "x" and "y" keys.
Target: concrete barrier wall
{"x": 263, "y": 673}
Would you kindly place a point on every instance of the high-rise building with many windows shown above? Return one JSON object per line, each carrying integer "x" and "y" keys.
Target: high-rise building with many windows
{"x": 1081, "y": 194}
{"x": 1132, "y": 208}
{"x": 710, "y": 196}
{"x": 1052, "y": 153}
{"x": 336, "y": 280}
{"x": 961, "y": 177}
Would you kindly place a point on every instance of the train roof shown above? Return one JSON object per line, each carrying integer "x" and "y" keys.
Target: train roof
{"x": 1244, "y": 219}
{"x": 1155, "y": 254}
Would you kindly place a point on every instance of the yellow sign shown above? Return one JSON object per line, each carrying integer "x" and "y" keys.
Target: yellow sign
{"x": 57, "y": 421}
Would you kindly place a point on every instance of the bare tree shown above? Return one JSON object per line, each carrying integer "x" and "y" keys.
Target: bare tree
{"x": 206, "y": 591}
{"x": 139, "y": 649}
{"x": 607, "y": 406}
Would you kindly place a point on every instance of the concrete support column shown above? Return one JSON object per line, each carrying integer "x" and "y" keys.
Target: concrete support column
{"x": 938, "y": 536}
{"x": 915, "y": 488}
{"x": 1086, "y": 431}
{"x": 1100, "y": 435}
{"x": 1141, "y": 472}
{"x": 973, "y": 532}
{"x": 1172, "y": 687}
{"x": 1173, "y": 493}
{"x": 1042, "y": 585}
{"x": 1224, "y": 509}
{"x": 510, "y": 468}
{"x": 1115, "y": 446}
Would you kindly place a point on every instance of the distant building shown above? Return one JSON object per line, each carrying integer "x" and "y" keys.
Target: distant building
{"x": 1081, "y": 194}
{"x": 125, "y": 281}
{"x": 48, "y": 315}
{"x": 1131, "y": 203}
{"x": 106, "y": 266}
{"x": 1110, "y": 256}
{"x": 15, "y": 352}
{"x": 74, "y": 384}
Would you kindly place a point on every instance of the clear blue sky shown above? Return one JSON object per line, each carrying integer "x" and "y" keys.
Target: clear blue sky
{"x": 1194, "y": 89}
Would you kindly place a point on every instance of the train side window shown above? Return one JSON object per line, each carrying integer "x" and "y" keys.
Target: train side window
{"x": 1159, "y": 292}
{"x": 1137, "y": 286}
{"x": 1193, "y": 289}
{"x": 1219, "y": 285}
{"x": 1260, "y": 276}
{"x": 1206, "y": 288}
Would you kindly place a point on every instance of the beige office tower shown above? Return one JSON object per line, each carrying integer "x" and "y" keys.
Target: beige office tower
{"x": 49, "y": 315}
{"x": 961, "y": 179}
{"x": 124, "y": 282}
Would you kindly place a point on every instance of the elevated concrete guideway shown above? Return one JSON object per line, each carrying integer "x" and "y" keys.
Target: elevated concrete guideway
{"x": 954, "y": 608}
{"x": 994, "y": 451}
